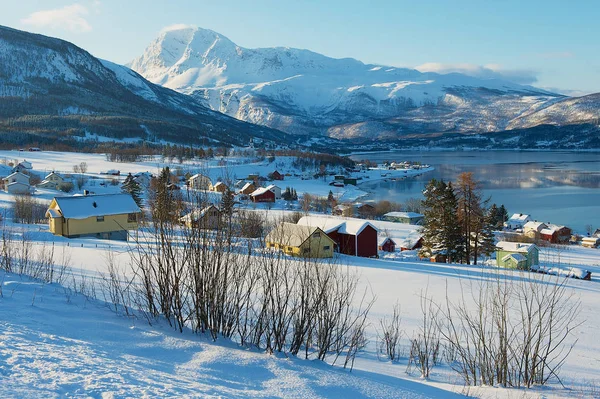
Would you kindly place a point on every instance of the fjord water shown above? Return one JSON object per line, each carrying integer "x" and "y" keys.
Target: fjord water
{"x": 561, "y": 187}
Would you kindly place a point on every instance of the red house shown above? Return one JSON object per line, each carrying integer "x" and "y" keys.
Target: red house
{"x": 355, "y": 237}
{"x": 263, "y": 195}
{"x": 386, "y": 244}
{"x": 276, "y": 176}
{"x": 556, "y": 234}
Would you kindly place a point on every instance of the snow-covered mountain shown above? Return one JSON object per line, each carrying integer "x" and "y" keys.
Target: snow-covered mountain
{"x": 300, "y": 92}
{"x": 50, "y": 87}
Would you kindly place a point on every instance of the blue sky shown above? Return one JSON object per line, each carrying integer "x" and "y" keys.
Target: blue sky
{"x": 550, "y": 44}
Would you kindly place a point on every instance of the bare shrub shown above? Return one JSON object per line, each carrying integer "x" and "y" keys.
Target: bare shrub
{"x": 513, "y": 333}
{"x": 390, "y": 334}
{"x": 27, "y": 209}
{"x": 425, "y": 344}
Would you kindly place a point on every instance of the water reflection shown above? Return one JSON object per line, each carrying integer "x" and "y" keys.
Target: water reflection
{"x": 560, "y": 186}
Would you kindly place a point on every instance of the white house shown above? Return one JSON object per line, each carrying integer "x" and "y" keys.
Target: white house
{"x": 200, "y": 182}
{"x": 517, "y": 221}
{"x": 23, "y": 166}
{"x": 17, "y": 183}
{"x": 275, "y": 189}
{"x": 143, "y": 178}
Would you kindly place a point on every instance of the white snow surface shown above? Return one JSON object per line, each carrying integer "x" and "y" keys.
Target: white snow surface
{"x": 56, "y": 344}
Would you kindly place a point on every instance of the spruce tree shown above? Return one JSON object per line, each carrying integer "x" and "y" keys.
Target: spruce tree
{"x": 133, "y": 188}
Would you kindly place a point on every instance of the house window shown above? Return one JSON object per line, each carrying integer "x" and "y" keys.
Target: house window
{"x": 131, "y": 217}
{"x": 316, "y": 235}
{"x": 99, "y": 218}
{"x": 326, "y": 247}
{"x": 290, "y": 249}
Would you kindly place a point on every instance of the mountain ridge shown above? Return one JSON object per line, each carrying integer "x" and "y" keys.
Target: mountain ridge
{"x": 52, "y": 88}
{"x": 303, "y": 92}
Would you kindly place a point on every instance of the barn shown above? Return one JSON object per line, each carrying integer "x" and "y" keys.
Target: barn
{"x": 263, "y": 194}
{"x": 352, "y": 236}
{"x": 386, "y": 244}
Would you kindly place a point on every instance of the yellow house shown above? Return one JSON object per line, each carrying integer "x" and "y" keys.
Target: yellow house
{"x": 299, "y": 240}
{"x": 51, "y": 181}
{"x": 107, "y": 216}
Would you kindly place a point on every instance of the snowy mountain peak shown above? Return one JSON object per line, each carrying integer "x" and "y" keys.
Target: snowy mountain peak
{"x": 303, "y": 92}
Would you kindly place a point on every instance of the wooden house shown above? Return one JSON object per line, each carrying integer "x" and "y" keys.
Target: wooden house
{"x": 108, "y": 216}
{"x": 262, "y": 194}
{"x": 590, "y": 242}
{"x": 276, "y": 190}
{"x": 533, "y": 229}
{"x": 276, "y": 175}
{"x": 199, "y": 182}
{"x": 404, "y": 217}
{"x": 386, "y": 244}
{"x": 17, "y": 183}
{"x": 517, "y": 221}
{"x": 219, "y": 187}
{"x": 206, "y": 218}
{"x": 352, "y": 236}
{"x": 51, "y": 181}
{"x": 299, "y": 240}
{"x": 248, "y": 188}
{"x": 23, "y": 166}
{"x": 516, "y": 255}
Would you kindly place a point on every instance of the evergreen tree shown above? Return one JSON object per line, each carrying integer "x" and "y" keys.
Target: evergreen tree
{"x": 133, "y": 188}
{"x": 441, "y": 231}
{"x": 502, "y": 216}
{"x": 227, "y": 202}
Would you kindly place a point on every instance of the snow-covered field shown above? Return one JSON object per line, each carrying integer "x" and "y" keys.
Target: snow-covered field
{"x": 55, "y": 343}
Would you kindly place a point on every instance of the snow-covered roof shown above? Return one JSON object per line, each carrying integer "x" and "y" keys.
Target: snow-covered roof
{"x": 219, "y": 183}
{"x": 515, "y": 246}
{"x": 16, "y": 174}
{"x": 518, "y": 217}
{"x": 403, "y": 215}
{"x": 197, "y": 214}
{"x": 534, "y": 225}
{"x": 290, "y": 234}
{"x": 52, "y": 174}
{"x": 272, "y": 186}
{"x": 249, "y": 184}
{"x": 259, "y": 191}
{"x": 328, "y": 224}
{"x": 518, "y": 257}
{"x": 198, "y": 175}
{"x": 85, "y": 206}
{"x": 382, "y": 239}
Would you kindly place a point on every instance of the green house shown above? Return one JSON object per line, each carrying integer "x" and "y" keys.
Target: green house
{"x": 516, "y": 255}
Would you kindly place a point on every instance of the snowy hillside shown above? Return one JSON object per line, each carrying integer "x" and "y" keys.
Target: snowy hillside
{"x": 68, "y": 89}
{"x": 299, "y": 91}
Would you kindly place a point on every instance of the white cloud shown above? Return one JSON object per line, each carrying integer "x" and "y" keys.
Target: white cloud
{"x": 177, "y": 27}
{"x": 70, "y": 18}
{"x": 489, "y": 71}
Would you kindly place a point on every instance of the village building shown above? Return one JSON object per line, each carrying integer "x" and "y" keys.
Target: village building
{"x": 516, "y": 255}
{"x": 404, "y": 217}
{"x": 199, "y": 182}
{"x": 23, "y": 167}
{"x": 517, "y": 221}
{"x": 276, "y": 190}
{"x": 51, "y": 181}
{"x": 365, "y": 210}
{"x": 412, "y": 242}
{"x": 533, "y": 229}
{"x": 17, "y": 183}
{"x": 300, "y": 240}
{"x": 276, "y": 175}
{"x": 262, "y": 194}
{"x": 248, "y": 188}
{"x": 590, "y": 242}
{"x": 143, "y": 178}
{"x": 207, "y": 218}
{"x": 556, "y": 234}
{"x": 386, "y": 244}
{"x": 352, "y": 236}
{"x": 343, "y": 210}
{"x": 108, "y": 216}
{"x": 219, "y": 187}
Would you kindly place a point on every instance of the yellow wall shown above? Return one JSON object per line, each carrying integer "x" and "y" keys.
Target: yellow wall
{"x": 91, "y": 225}
{"x": 314, "y": 246}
